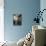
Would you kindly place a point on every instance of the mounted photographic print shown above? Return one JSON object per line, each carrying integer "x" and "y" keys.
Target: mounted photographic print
{"x": 17, "y": 19}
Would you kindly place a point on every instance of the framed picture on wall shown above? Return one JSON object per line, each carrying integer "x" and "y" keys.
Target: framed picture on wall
{"x": 17, "y": 19}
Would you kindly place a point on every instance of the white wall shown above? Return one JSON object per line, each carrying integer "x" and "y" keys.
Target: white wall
{"x": 1, "y": 20}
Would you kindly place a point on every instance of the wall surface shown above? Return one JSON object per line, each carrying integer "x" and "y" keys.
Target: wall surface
{"x": 1, "y": 20}
{"x": 27, "y": 8}
{"x": 43, "y": 6}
